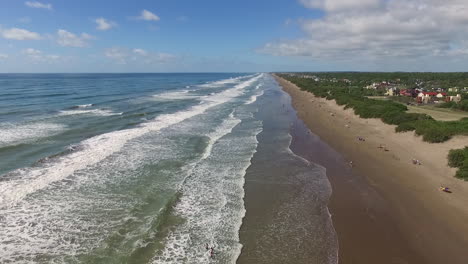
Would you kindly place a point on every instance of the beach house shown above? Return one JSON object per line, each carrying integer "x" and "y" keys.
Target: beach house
{"x": 427, "y": 97}
{"x": 453, "y": 89}
{"x": 452, "y": 98}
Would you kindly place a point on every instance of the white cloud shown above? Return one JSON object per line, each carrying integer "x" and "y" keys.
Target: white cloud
{"x": 31, "y": 51}
{"x": 141, "y": 52}
{"x": 68, "y": 39}
{"x": 19, "y": 34}
{"x": 53, "y": 57}
{"x": 117, "y": 54}
{"x": 104, "y": 24}
{"x": 38, "y": 56}
{"x": 148, "y": 16}
{"x": 38, "y": 5}
{"x": 334, "y": 5}
{"x": 378, "y": 30}
{"x": 3, "y": 56}
{"x": 137, "y": 56}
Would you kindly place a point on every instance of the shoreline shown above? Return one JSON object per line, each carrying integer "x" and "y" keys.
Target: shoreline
{"x": 387, "y": 210}
{"x": 287, "y": 220}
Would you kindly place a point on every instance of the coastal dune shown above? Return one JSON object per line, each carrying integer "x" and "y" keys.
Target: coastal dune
{"x": 431, "y": 224}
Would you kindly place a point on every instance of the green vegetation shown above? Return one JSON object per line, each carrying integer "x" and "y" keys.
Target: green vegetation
{"x": 408, "y": 79}
{"x": 458, "y": 158}
{"x": 463, "y": 105}
{"x": 354, "y": 96}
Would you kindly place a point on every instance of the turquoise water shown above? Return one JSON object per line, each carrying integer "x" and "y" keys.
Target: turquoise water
{"x": 126, "y": 168}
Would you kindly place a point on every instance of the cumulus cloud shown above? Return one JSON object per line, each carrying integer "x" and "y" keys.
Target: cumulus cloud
{"x": 19, "y": 34}
{"x": 38, "y": 5}
{"x": 334, "y": 5}
{"x": 104, "y": 24}
{"x": 3, "y": 56}
{"x": 379, "y": 29}
{"x": 117, "y": 54}
{"x": 38, "y": 56}
{"x": 148, "y": 16}
{"x": 141, "y": 52}
{"x": 137, "y": 56}
{"x": 68, "y": 39}
{"x": 31, "y": 51}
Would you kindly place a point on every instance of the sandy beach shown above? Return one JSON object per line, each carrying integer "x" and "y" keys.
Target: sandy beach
{"x": 387, "y": 210}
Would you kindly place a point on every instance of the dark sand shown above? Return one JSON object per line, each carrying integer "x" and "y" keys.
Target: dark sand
{"x": 286, "y": 198}
{"x": 367, "y": 231}
{"x": 384, "y": 210}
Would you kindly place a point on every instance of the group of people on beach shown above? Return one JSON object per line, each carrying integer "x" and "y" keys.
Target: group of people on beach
{"x": 383, "y": 147}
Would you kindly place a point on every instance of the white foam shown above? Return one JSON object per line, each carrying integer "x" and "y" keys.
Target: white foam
{"x": 179, "y": 95}
{"x": 98, "y": 112}
{"x": 24, "y": 133}
{"x": 225, "y": 81}
{"x": 212, "y": 202}
{"x": 96, "y": 149}
{"x": 253, "y": 98}
{"x": 225, "y": 128}
{"x": 84, "y": 105}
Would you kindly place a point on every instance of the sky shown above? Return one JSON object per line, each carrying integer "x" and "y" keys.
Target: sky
{"x": 233, "y": 36}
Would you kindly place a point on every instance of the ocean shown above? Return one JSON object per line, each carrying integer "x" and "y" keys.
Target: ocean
{"x": 152, "y": 168}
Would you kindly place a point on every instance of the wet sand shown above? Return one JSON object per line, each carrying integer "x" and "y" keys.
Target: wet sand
{"x": 384, "y": 209}
{"x": 286, "y": 197}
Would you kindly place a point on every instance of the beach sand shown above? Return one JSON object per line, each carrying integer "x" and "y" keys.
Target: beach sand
{"x": 387, "y": 210}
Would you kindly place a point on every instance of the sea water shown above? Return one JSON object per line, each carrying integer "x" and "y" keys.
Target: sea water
{"x": 126, "y": 168}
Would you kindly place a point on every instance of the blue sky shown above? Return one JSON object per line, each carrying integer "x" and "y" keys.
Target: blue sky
{"x": 241, "y": 35}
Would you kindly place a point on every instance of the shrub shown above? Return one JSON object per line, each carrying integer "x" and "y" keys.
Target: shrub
{"x": 436, "y": 135}
{"x": 462, "y": 173}
{"x": 463, "y": 105}
{"x": 447, "y": 105}
{"x": 404, "y": 127}
{"x": 456, "y": 157}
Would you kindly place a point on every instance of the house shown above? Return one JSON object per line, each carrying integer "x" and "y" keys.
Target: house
{"x": 376, "y": 85}
{"x": 453, "y": 89}
{"x": 392, "y": 91}
{"x": 423, "y": 98}
{"x": 407, "y": 92}
{"x": 434, "y": 94}
{"x": 455, "y": 99}
{"x": 426, "y": 97}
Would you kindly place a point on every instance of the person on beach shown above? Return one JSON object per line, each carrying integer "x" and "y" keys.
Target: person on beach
{"x": 445, "y": 189}
{"x": 212, "y": 252}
